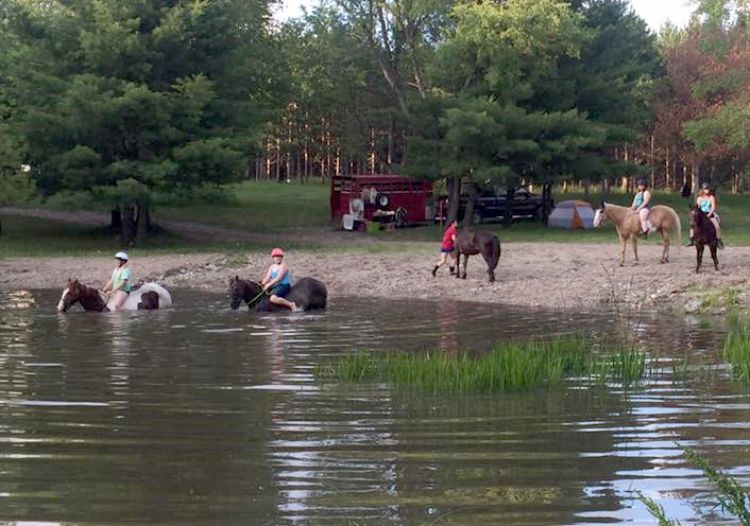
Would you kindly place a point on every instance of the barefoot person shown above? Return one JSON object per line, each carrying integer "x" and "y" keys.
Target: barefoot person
{"x": 447, "y": 247}
{"x": 642, "y": 206}
{"x": 278, "y": 281}
{"x": 706, "y": 201}
{"x": 120, "y": 284}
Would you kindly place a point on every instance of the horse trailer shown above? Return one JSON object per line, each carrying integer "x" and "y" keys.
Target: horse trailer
{"x": 384, "y": 198}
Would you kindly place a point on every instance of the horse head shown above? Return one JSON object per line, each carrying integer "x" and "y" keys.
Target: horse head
{"x": 70, "y": 295}
{"x": 236, "y": 292}
{"x": 694, "y": 214}
{"x": 600, "y": 215}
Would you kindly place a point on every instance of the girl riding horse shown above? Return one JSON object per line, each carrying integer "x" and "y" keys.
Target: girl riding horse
{"x": 706, "y": 201}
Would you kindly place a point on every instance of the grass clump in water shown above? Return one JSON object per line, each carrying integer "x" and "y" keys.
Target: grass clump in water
{"x": 508, "y": 367}
{"x": 737, "y": 353}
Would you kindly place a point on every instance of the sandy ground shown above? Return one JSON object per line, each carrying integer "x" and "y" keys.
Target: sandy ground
{"x": 529, "y": 274}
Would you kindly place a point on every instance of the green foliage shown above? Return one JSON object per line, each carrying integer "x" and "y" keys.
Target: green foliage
{"x": 732, "y": 497}
{"x": 656, "y": 510}
{"x": 125, "y": 98}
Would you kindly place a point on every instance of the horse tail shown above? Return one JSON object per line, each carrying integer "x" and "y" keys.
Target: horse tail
{"x": 496, "y": 250}
{"x": 676, "y": 227}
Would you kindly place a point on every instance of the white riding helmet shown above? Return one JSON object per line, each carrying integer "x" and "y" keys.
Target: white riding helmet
{"x": 121, "y": 255}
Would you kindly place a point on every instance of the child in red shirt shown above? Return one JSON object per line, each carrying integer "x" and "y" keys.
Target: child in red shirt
{"x": 447, "y": 247}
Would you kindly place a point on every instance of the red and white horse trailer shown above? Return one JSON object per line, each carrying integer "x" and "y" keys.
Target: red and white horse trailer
{"x": 385, "y": 198}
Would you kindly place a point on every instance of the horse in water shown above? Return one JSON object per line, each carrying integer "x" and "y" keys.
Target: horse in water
{"x": 148, "y": 296}
{"x": 307, "y": 293}
{"x": 470, "y": 243}
{"x": 628, "y": 225}
{"x": 704, "y": 233}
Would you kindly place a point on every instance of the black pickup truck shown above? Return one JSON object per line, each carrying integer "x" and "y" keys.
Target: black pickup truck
{"x": 490, "y": 206}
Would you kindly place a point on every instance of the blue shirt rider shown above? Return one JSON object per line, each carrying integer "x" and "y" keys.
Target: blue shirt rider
{"x": 278, "y": 281}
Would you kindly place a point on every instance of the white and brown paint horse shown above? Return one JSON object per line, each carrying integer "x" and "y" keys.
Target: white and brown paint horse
{"x": 149, "y": 296}
{"x": 628, "y": 225}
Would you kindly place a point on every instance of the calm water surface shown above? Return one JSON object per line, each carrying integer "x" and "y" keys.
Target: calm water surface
{"x": 201, "y": 415}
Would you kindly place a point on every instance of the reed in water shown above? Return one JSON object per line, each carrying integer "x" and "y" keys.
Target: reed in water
{"x": 508, "y": 367}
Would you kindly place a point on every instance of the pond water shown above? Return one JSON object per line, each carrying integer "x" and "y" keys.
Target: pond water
{"x": 202, "y": 415}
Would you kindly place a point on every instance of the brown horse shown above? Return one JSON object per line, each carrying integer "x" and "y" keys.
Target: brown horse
{"x": 704, "y": 233}
{"x": 628, "y": 225}
{"x": 469, "y": 243}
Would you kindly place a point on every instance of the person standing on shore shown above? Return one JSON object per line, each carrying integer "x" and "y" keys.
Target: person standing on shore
{"x": 447, "y": 248}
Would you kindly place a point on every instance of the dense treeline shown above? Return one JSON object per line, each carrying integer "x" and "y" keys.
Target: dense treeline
{"x": 122, "y": 99}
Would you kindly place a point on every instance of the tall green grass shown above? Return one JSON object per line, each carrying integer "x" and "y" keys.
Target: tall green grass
{"x": 508, "y": 367}
{"x": 737, "y": 353}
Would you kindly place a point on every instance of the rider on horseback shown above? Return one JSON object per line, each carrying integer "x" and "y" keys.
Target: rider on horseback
{"x": 278, "y": 281}
{"x": 120, "y": 283}
{"x": 642, "y": 204}
{"x": 706, "y": 201}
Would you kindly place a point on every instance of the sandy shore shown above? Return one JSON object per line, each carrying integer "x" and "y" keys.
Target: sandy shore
{"x": 529, "y": 274}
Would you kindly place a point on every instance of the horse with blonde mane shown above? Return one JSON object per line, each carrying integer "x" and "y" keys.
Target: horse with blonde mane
{"x": 663, "y": 219}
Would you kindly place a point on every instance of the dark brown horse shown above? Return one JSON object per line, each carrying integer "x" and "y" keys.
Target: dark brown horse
{"x": 470, "y": 243}
{"x": 307, "y": 293}
{"x": 704, "y": 233}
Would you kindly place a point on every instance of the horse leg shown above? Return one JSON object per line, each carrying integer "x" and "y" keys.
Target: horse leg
{"x": 713, "y": 247}
{"x": 466, "y": 262}
{"x": 458, "y": 265}
{"x": 665, "y": 241}
{"x": 698, "y": 256}
{"x": 634, "y": 240}
{"x": 623, "y": 243}
{"x": 490, "y": 270}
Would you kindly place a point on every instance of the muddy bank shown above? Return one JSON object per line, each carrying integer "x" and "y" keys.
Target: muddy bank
{"x": 529, "y": 274}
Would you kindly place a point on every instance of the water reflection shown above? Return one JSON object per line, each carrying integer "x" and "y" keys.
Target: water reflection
{"x": 203, "y": 415}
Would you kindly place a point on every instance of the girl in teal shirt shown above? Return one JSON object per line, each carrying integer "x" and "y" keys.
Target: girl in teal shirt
{"x": 120, "y": 284}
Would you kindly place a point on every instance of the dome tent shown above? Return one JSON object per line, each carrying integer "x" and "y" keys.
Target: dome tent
{"x": 572, "y": 214}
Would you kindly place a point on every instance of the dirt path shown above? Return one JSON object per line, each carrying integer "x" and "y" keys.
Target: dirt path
{"x": 200, "y": 231}
{"x": 530, "y": 274}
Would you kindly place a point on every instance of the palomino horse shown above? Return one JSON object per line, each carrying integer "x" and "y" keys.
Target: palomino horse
{"x": 469, "y": 243}
{"x": 307, "y": 293}
{"x": 704, "y": 233}
{"x": 148, "y": 296}
{"x": 628, "y": 225}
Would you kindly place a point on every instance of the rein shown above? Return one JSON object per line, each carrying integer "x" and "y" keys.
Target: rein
{"x": 252, "y": 302}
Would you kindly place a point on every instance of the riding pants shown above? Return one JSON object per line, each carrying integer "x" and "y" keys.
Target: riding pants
{"x": 643, "y": 215}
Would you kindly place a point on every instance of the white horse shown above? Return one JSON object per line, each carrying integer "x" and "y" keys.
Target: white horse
{"x": 148, "y": 296}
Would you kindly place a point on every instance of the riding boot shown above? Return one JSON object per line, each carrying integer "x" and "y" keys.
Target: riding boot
{"x": 719, "y": 243}
{"x": 692, "y": 243}
{"x": 434, "y": 271}
{"x": 452, "y": 271}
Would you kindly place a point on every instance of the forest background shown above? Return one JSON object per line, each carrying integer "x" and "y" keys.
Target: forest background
{"x": 117, "y": 104}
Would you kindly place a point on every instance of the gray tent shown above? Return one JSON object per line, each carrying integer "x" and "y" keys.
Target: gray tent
{"x": 572, "y": 214}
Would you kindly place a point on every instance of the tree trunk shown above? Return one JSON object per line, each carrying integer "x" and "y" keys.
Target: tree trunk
{"x": 470, "y": 201}
{"x": 128, "y": 227}
{"x": 454, "y": 198}
{"x": 141, "y": 231}
{"x": 115, "y": 222}
{"x": 509, "y": 195}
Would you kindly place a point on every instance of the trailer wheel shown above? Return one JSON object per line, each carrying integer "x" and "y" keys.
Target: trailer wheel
{"x": 383, "y": 200}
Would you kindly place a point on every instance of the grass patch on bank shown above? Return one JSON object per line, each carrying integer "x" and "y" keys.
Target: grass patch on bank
{"x": 508, "y": 367}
